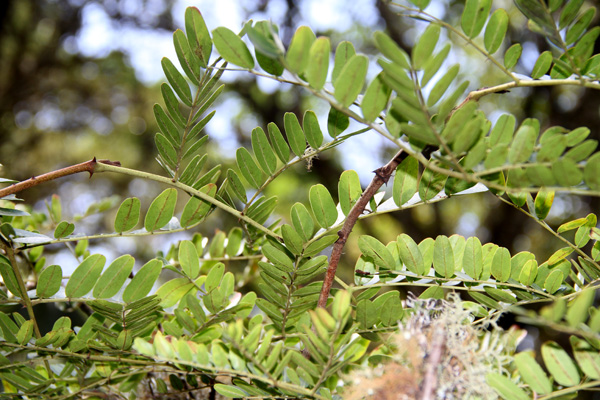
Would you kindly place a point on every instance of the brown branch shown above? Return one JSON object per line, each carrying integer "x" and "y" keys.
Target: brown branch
{"x": 382, "y": 175}
{"x": 434, "y": 358}
{"x": 88, "y": 166}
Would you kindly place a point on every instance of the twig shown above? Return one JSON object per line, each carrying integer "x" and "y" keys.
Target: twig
{"x": 88, "y": 166}
{"x": 382, "y": 175}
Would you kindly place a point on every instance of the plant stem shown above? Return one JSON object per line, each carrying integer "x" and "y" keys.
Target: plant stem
{"x": 382, "y": 175}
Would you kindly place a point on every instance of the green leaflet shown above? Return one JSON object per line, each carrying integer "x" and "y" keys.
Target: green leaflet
{"x": 279, "y": 144}
{"x": 553, "y": 281}
{"x": 322, "y": 206}
{"x": 432, "y": 66}
{"x": 442, "y": 85}
{"x": 128, "y": 215}
{"x": 177, "y": 82}
{"x": 314, "y": 136}
{"x": 187, "y": 59}
{"x": 569, "y": 13}
{"x": 532, "y": 373}
{"x": 542, "y": 65}
{"x": 405, "y": 181}
{"x": 349, "y": 190}
{"x": 343, "y": 52}
{"x": 512, "y": 55}
{"x": 302, "y": 221}
{"x": 410, "y": 254}
{"x": 472, "y": 261}
{"x": 114, "y": 277}
{"x": 591, "y": 172}
{"x": 317, "y": 69}
{"x": 294, "y": 133}
{"x": 351, "y": 80}
{"x": 522, "y": 145}
{"x": 263, "y": 151}
{"x": 196, "y": 209}
{"x": 587, "y": 357}
{"x": 172, "y": 291}
{"x": 575, "y": 31}
{"x": 198, "y": 35}
{"x": 292, "y": 239}
{"x": 431, "y": 184}
{"x": 63, "y": 229}
{"x": 443, "y": 257}
{"x": 236, "y": 185}
{"x": 188, "y": 259}
{"x": 337, "y": 122}
{"x": 474, "y": 16}
{"x": 85, "y": 276}
{"x": 161, "y": 210}
{"x": 422, "y": 51}
{"x": 49, "y": 281}
{"x": 248, "y": 167}
{"x": 391, "y": 50}
{"x": 501, "y": 266}
{"x": 495, "y": 30}
{"x": 373, "y": 248}
{"x": 560, "y": 365}
{"x": 505, "y": 387}
{"x": 376, "y": 98}
{"x": 143, "y": 281}
{"x": 232, "y": 48}
{"x": 230, "y": 391}
{"x": 543, "y": 202}
{"x": 298, "y": 54}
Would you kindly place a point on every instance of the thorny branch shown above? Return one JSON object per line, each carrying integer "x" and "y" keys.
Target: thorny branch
{"x": 88, "y": 166}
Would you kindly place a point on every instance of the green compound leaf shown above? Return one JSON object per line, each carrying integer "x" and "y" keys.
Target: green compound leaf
{"x": 474, "y": 16}
{"x": 351, "y": 80}
{"x": 49, "y": 281}
{"x": 250, "y": 171}
{"x": 63, "y": 229}
{"x": 317, "y": 69}
{"x": 495, "y": 31}
{"x": 196, "y": 209}
{"x": 143, "y": 281}
{"x": 128, "y": 215}
{"x": 85, "y": 276}
{"x": 114, "y": 277}
{"x": 560, "y": 365}
{"x": 405, "y": 180}
{"x": 298, "y": 54}
{"x": 443, "y": 257}
{"x": 232, "y": 48}
{"x": 310, "y": 123}
{"x": 349, "y": 190}
{"x": 198, "y": 35}
{"x": 376, "y": 98}
{"x": 177, "y": 82}
{"x": 294, "y": 133}
{"x": 161, "y": 210}
{"x": 323, "y": 206}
